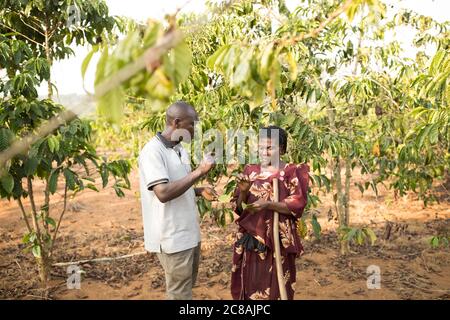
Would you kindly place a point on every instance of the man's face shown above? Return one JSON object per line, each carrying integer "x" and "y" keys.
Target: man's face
{"x": 188, "y": 123}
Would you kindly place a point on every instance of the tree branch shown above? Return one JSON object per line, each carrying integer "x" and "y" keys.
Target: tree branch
{"x": 34, "y": 212}
{"x": 31, "y": 27}
{"x": 59, "y": 221}
{"x": 17, "y": 32}
{"x": 24, "y": 215}
{"x": 46, "y": 207}
{"x": 105, "y": 259}
{"x": 322, "y": 25}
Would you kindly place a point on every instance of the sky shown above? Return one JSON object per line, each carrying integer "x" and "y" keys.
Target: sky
{"x": 66, "y": 74}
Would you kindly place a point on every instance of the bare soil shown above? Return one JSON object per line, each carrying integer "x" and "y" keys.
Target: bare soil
{"x": 100, "y": 225}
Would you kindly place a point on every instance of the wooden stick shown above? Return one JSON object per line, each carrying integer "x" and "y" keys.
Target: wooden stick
{"x": 106, "y": 259}
{"x": 276, "y": 241}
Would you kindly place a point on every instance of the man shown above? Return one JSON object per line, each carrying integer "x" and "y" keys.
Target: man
{"x": 170, "y": 214}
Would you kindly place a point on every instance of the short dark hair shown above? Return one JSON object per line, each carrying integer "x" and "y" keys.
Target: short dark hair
{"x": 183, "y": 104}
{"x": 176, "y": 108}
{"x": 282, "y": 136}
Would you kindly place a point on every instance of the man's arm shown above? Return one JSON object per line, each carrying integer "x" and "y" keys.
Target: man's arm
{"x": 171, "y": 190}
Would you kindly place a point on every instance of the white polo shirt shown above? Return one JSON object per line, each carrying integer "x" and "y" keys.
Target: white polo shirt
{"x": 172, "y": 226}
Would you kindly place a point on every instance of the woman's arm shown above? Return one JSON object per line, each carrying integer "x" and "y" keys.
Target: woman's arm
{"x": 207, "y": 193}
{"x": 280, "y": 207}
{"x": 241, "y": 192}
{"x": 242, "y": 198}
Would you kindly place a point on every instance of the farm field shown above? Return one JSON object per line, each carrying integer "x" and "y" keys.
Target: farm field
{"x": 410, "y": 269}
{"x": 325, "y": 122}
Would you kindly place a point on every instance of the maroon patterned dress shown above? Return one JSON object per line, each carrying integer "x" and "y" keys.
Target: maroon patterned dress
{"x": 254, "y": 274}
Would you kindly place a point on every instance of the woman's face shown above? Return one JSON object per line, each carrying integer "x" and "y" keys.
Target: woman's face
{"x": 268, "y": 153}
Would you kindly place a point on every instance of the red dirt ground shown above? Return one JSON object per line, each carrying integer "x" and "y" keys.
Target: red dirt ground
{"x": 103, "y": 225}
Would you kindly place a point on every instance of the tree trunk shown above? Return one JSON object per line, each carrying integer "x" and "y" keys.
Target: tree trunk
{"x": 340, "y": 196}
{"x": 44, "y": 269}
{"x": 42, "y": 260}
{"x": 45, "y": 209}
{"x": 348, "y": 176}
{"x": 339, "y": 193}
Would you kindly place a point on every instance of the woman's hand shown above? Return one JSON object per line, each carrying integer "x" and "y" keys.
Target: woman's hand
{"x": 243, "y": 183}
{"x": 209, "y": 194}
{"x": 258, "y": 206}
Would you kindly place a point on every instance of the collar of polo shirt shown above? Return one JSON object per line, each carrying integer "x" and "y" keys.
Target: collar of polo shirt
{"x": 167, "y": 143}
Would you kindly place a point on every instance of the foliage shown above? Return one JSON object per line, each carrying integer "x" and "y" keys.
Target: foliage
{"x": 50, "y": 27}
{"x": 64, "y": 160}
{"x": 439, "y": 241}
{"x": 358, "y": 236}
{"x": 346, "y": 101}
{"x": 157, "y": 85}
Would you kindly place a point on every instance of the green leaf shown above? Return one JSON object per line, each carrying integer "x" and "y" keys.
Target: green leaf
{"x": 119, "y": 191}
{"x": 217, "y": 57}
{"x": 56, "y": 143}
{"x": 359, "y": 237}
{"x": 434, "y": 133}
{"x": 350, "y": 234}
{"x": 104, "y": 174}
{"x": 369, "y": 232}
{"x": 151, "y": 35}
{"x": 302, "y": 228}
{"x": 33, "y": 237}
{"x": 110, "y": 105}
{"x": 293, "y": 70}
{"x": 51, "y": 144}
{"x": 360, "y": 187}
{"x": 86, "y": 61}
{"x": 92, "y": 187}
{"x": 436, "y": 62}
{"x": 30, "y": 166}
{"x": 36, "y": 250}
{"x": 101, "y": 66}
{"x": 26, "y": 237}
{"x": 6, "y": 136}
{"x": 316, "y": 226}
{"x": 53, "y": 181}
{"x": 267, "y": 58}
{"x": 445, "y": 241}
{"x": 225, "y": 198}
{"x": 230, "y": 186}
{"x": 7, "y": 182}
{"x": 50, "y": 221}
{"x": 434, "y": 242}
{"x": 422, "y": 135}
{"x": 246, "y": 206}
{"x": 70, "y": 178}
{"x": 352, "y": 9}
{"x": 242, "y": 72}
{"x": 177, "y": 63}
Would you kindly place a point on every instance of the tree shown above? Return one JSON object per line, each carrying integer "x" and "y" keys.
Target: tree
{"x": 341, "y": 96}
{"x": 50, "y": 27}
{"x": 64, "y": 154}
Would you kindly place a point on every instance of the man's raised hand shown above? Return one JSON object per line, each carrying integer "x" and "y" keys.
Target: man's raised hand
{"x": 207, "y": 164}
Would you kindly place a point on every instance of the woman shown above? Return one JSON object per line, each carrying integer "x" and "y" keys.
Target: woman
{"x": 254, "y": 273}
